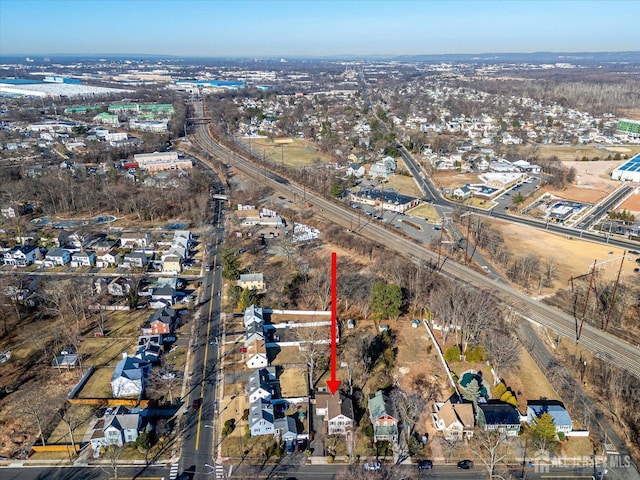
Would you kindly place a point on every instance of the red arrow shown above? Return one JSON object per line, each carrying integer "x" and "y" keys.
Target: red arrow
{"x": 334, "y": 384}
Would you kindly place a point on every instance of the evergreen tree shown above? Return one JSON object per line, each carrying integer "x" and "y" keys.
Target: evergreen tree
{"x": 386, "y": 300}
{"x": 472, "y": 392}
{"x": 543, "y": 432}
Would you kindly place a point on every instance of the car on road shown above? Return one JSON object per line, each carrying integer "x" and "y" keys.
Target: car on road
{"x": 425, "y": 465}
{"x": 465, "y": 464}
{"x": 195, "y": 405}
{"x": 372, "y": 466}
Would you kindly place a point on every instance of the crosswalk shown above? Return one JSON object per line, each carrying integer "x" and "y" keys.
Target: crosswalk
{"x": 219, "y": 471}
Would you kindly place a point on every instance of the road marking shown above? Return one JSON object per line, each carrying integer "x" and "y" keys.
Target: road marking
{"x": 206, "y": 356}
{"x": 173, "y": 473}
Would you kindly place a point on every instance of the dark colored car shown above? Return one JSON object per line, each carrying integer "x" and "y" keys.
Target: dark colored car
{"x": 465, "y": 464}
{"x": 425, "y": 465}
{"x": 195, "y": 405}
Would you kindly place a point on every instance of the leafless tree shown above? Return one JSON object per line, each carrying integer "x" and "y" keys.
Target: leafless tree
{"x": 313, "y": 347}
{"x": 112, "y": 453}
{"x": 466, "y": 311}
{"x": 492, "y": 448}
{"x": 70, "y": 418}
{"x": 163, "y": 379}
{"x": 502, "y": 349}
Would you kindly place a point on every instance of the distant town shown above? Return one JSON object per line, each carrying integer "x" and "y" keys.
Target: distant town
{"x": 166, "y": 233}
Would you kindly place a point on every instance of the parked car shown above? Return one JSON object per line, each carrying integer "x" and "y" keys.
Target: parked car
{"x": 372, "y": 466}
{"x": 425, "y": 465}
{"x": 465, "y": 464}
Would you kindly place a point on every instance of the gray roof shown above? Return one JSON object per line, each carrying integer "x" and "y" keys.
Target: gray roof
{"x": 122, "y": 419}
{"x": 286, "y": 425}
{"x": 261, "y": 379}
{"x": 555, "y": 409}
{"x": 131, "y": 368}
{"x": 381, "y": 405}
{"x": 260, "y": 410}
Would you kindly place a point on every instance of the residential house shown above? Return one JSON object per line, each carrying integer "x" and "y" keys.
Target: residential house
{"x": 499, "y": 416}
{"x": 21, "y": 255}
{"x": 108, "y": 259}
{"x": 83, "y": 259}
{"x": 260, "y": 384}
{"x": 455, "y": 420}
{"x": 135, "y": 240}
{"x": 253, "y": 333}
{"x": 261, "y": 418}
{"x": 253, "y": 314}
{"x": 160, "y": 322}
{"x": 561, "y": 418}
{"x": 172, "y": 262}
{"x": 463, "y": 192}
{"x": 383, "y": 418}
{"x": 104, "y": 246}
{"x": 117, "y": 427}
{"x": 8, "y": 212}
{"x": 337, "y": 411}
{"x": 135, "y": 260}
{"x": 356, "y": 171}
{"x": 163, "y": 296}
{"x": 66, "y": 359}
{"x": 118, "y": 287}
{"x": 383, "y": 168}
{"x": 148, "y": 350}
{"x": 286, "y": 429}
{"x": 252, "y": 281}
{"x": 57, "y": 257}
{"x": 130, "y": 377}
{"x": 256, "y": 355}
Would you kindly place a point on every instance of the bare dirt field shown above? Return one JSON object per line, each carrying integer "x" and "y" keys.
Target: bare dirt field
{"x": 573, "y": 256}
{"x": 632, "y": 204}
{"x": 577, "y": 152}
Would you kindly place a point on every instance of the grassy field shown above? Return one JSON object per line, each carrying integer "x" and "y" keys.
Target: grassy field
{"x": 81, "y": 416}
{"x": 404, "y": 184}
{"x": 425, "y": 211}
{"x": 296, "y": 152}
{"x": 293, "y": 382}
{"x": 98, "y": 384}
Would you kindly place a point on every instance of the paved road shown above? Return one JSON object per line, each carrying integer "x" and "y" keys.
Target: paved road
{"x": 199, "y": 426}
{"x": 82, "y": 473}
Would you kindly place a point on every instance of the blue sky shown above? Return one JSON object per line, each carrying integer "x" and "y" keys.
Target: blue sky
{"x": 315, "y": 28}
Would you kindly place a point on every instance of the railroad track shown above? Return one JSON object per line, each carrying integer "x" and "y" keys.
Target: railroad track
{"x": 606, "y": 346}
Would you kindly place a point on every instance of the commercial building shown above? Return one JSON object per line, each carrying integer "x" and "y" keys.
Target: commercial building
{"x": 631, "y": 127}
{"x": 159, "y": 161}
{"x": 629, "y": 171}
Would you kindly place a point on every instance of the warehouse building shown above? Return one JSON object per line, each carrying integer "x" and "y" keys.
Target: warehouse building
{"x": 629, "y": 171}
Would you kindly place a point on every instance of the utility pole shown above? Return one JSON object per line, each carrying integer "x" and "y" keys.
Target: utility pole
{"x": 613, "y": 295}
{"x": 586, "y": 300}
